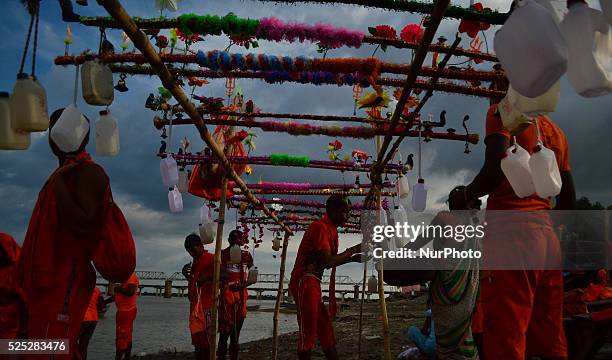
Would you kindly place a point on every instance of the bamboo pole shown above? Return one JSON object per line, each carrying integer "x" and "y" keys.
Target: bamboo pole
{"x": 212, "y": 336}
{"x": 447, "y": 87}
{"x": 141, "y": 41}
{"x": 385, "y": 68}
{"x": 381, "y": 287}
{"x": 360, "y": 132}
{"x": 279, "y": 294}
{"x": 360, "y": 326}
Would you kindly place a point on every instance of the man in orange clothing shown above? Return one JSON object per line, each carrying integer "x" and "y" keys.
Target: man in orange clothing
{"x": 12, "y": 306}
{"x": 319, "y": 251}
{"x": 55, "y": 270}
{"x": 233, "y": 298}
{"x": 90, "y": 321}
{"x": 125, "y": 299}
{"x": 522, "y": 309}
{"x": 200, "y": 280}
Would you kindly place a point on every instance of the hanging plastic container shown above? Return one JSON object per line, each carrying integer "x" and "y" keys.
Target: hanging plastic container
{"x": 515, "y": 166}
{"x": 252, "y": 276}
{"x": 169, "y": 171}
{"x": 107, "y": 135}
{"x": 10, "y": 139}
{"x": 531, "y": 49}
{"x": 555, "y": 7}
{"x": 401, "y": 217}
{"x": 175, "y": 200}
{"x": 276, "y": 242}
{"x": 70, "y": 130}
{"x": 606, "y": 9}
{"x": 207, "y": 227}
{"x": 419, "y": 196}
{"x": 372, "y": 284}
{"x": 235, "y": 254}
{"x": 545, "y": 172}
{"x": 183, "y": 180}
{"x": 29, "y": 105}
{"x": 541, "y": 105}
{"x": 589, "y": 42}
{"x": 403, "y": 186}
{"x": 514, "y": 121}
{"x": 97, "y": 83}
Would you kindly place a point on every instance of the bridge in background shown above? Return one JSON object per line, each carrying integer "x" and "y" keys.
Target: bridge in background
{"x": 175, "y": 283}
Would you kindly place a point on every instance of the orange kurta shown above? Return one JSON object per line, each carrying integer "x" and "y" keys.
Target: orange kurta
{"x": 55, "y": 268}
{"x": 11, "y": 297}
{"x": 126, "y": 314}
{"x": 523, "y": 309}
{"x": 314, "y": 320}
{"x": 233, "y": 304}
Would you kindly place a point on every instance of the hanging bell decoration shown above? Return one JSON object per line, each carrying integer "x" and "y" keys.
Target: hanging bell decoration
{"x": 121, "y": 87}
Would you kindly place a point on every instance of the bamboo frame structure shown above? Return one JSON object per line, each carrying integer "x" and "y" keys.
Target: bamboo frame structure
{"x": 362, "y": 132}
{"x": 317, "y": 192}
{"x": 439, "y": 8}
{"x": 141, "y": 41}
{"x": 279, "y": 294}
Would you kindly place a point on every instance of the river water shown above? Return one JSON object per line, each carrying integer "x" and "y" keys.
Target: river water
{"x": 161, "y": 324}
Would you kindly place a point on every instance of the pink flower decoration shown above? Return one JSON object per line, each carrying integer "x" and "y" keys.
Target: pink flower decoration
{"x": 412, "y": 33}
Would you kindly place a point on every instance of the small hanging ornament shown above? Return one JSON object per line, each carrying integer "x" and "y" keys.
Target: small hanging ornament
{"x": 121, "y": 86}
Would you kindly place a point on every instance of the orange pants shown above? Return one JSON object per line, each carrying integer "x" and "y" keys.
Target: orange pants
{"x": 125, "y": 327}
{"x": 313, "y": 319}
{"x": 523, "y": 314}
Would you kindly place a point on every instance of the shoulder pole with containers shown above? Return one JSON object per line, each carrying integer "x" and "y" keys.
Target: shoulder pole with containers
{"x": 140, "y": 40}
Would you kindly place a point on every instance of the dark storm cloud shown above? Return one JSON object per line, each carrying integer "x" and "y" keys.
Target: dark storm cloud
{"x": 134, "y": 173}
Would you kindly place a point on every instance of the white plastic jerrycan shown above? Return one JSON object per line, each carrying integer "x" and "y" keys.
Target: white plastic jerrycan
{"x": 514, "y": 121}
{"x": 175, "y": 200}
{"x": 107, "y": 135}
{"x": 403, "y": 186}
{"x": 10, "y": 139}
{"x": 541, "y": 105}
{"x": 97, "y": 83}
{"x": 531, "y": 49}
{"x": 606, "y": 8}
{"x": 253, "y": 274}
{"x": 515, "y": 166}
{"x": 183, "y": 182}
{"x": 419, "y": 196}
{"x": 401, "y": 217}
{"x": 70, "y": 129}
{"x": 557, "y": 8}
{"x": 169, "y": 171}
{"x": 235, "y": 254}
{"x": 589, "y": 43}
{"x": 545, "y": 172}
{"x": 207, "y": 233}
{"x": 29, "y": 105}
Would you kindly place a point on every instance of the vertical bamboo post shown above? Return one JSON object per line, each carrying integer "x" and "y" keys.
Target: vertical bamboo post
{"x": 363, "y": 285}
{"x": 381, "y": 285}
{"x": 212, "y": 338}
{"x": 279, "y": 295}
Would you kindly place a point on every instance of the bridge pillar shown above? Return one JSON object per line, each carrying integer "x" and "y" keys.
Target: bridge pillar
{"x": 289, "y": 298}
{"x": 258, "y": 296}
{"x": 343, "y": 294}
{"x": 369, "y": 294}
{"x": 139, "y": 290}
{"x": 282, "y": 297}
{"x": 356, "y": 292}
{"x": 168, "y": 289}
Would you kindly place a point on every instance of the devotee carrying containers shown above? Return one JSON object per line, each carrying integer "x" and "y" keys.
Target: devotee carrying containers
{"x": 74, "y": 222}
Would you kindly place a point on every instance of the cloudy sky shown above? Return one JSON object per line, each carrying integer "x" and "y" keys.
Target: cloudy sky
{"x": 134, "y": 173}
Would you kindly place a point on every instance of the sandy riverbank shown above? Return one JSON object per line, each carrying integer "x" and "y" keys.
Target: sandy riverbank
{"x": 401, "y": 313}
